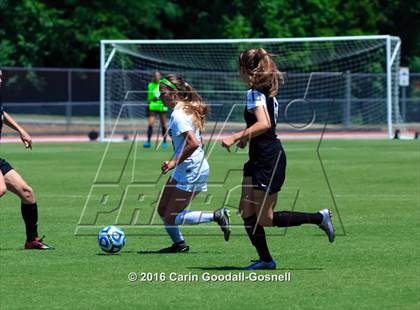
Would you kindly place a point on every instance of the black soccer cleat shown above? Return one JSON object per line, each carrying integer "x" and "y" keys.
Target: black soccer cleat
{"x": 180, "y": 247}
{"x": 222, "y": 217}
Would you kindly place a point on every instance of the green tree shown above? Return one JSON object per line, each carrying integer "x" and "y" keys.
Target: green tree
{"x": 66, "y": 33}
{"x": 31, "y": 33}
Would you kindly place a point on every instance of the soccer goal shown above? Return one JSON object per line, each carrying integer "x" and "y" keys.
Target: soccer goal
{"x": 343, "y": 84}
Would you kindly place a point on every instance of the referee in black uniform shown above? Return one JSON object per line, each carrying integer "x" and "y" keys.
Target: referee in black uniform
{"x": 265, "y": 171}
{"x": 11, "y": 181}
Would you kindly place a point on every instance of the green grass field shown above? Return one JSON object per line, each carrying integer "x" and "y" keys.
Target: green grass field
{"x": 374, "y": 263}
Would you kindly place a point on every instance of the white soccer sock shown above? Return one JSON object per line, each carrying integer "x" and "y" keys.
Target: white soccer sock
{"x": 188, "y": 217}
{"x": 173, "y": 232}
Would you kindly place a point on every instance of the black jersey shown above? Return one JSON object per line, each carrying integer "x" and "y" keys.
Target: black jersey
{"x": 266, "y": 142}
{"x": 1, "y": 115}
{"x": 267, "y": 160}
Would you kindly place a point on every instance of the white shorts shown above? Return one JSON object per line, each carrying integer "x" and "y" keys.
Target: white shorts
{"x": 192, "y": 176}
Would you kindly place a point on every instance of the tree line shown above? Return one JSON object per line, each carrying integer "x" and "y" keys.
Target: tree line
{"x": 66, "y": 33}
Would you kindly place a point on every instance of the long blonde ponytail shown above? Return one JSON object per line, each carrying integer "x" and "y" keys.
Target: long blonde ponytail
{"x": 189, "y": 101}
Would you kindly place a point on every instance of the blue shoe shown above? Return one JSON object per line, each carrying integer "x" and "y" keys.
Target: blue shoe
{"x": 262, "y": 265}
{"x": 327, "y": 225}
{"x": 164, "y": 146}
{"x": 147, "y": 145}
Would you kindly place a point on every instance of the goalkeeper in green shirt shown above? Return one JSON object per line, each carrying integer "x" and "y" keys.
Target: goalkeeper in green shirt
{"x": 155, "y": 107}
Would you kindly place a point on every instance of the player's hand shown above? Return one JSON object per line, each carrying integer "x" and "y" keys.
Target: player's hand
{"x": 168, "y": 165}
{"x": 242, "y": 143}
{"x": 228, "y": 142}
{"x": 26, "y": 139}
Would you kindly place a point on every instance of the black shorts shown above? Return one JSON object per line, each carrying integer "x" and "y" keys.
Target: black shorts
{"x": 154, "y": 113}
{"x": 268, "y": 174}
{"x": 5, "y": 167}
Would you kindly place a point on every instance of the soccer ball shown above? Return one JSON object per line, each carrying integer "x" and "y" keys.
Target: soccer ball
{"x": 111, "y": 239}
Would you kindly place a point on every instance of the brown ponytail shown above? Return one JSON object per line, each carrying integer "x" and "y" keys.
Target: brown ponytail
{"x": 262, "y": 71}
{"x": 189, "y": 101}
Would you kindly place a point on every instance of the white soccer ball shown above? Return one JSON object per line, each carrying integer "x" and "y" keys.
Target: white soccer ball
{"x": 111, "y": 239}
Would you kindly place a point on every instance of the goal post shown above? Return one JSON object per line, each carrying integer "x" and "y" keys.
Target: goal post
{"x": 350, "y": 82}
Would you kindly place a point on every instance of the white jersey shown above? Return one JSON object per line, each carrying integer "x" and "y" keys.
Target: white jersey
{"x": 195, "y": 165}
{"x": 179, "y": 123}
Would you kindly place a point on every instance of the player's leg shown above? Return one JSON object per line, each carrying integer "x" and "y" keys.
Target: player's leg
{"x": 266, "y": 216}
{"x": 321, "y": 218}
{"x": 171, "y": 203}
{"x": 177, "y": 215}
{"x": 267, "y": 201}
{"x": 173, "y": 230}
{"x": 5, "y": 167}
{"x": 248, "y": 208}
{"x": 264, "y": 203}
{"x": 151, "y": 119}
{"x": 172, "y": 207}
{"x": 163, "y": 124}
{"x": 16, "y": 184}
{"x": 187, "y": 187}
{"x": 29, "y": 208}
{"x": 3, "y": 188}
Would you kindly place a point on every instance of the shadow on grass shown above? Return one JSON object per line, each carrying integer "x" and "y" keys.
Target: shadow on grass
{"x": 108, "y": 254}
{"x": 188, "y": 253}
{"x": 11, "y": 249}
{"x": 155, "y": 252}
{"x": 26, "y": 250}
{"x": 219, "y": 268}
{"x": 222, "y": 268}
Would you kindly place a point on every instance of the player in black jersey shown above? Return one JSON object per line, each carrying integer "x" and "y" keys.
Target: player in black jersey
{"x": 264, "y": 173}
{"x": 10, "y": 180}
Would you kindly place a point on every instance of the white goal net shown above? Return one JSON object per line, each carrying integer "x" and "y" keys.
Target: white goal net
{"x": 349, "y": 84}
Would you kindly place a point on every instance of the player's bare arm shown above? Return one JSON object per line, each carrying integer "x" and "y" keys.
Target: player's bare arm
{"x": 191, "y": 144}
{"x": 24, "y": 136}
{"x": 262, "y": 125}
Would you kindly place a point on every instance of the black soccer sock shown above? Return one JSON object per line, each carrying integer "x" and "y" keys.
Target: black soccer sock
{"x": 30, "y": 216}
{"x": 257, "y": 238}
{"x": 164, "y": 134}
{"x": 291, "y": 218}
{"x": 149, "y": 133}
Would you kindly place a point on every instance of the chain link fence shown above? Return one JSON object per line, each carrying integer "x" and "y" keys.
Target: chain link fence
{"x": 65, "y": 101}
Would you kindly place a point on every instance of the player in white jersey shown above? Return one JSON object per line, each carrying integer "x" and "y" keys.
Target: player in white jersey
{"x": 191, "y": 169}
